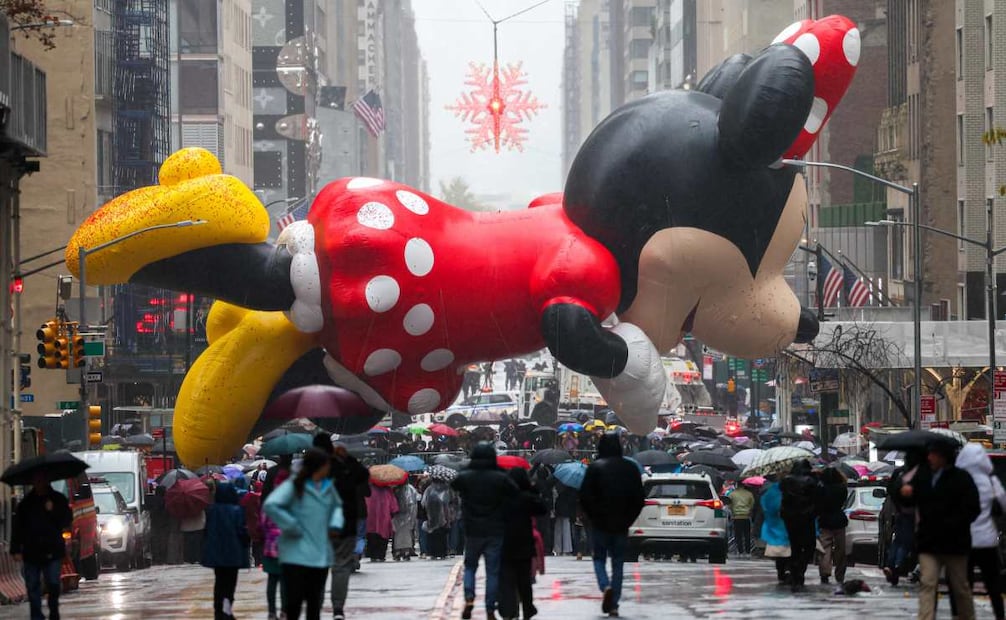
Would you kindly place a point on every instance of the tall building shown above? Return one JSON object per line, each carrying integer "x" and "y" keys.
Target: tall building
{"x": 979, "y": 56}
{"x": 404, "y": 71}
{"x": 674, "y": 62}
{"x": 586, "y": 76}
{"x": 638, "y": 28}
{"x": 211, "y": 74}
{"x": 916, "y": 142}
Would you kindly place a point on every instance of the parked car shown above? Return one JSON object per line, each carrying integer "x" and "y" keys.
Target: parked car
{"x": 485, "y": 408}
{"x": 682, "y": 515}
{"x": 862, "y": 507}
{"x": 115, "y": 523}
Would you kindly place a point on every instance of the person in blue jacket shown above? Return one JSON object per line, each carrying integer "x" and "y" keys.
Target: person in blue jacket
{"x": 225, "y": 547}
{"x": 308, "y": 511}
{"x": 773, "y": 530}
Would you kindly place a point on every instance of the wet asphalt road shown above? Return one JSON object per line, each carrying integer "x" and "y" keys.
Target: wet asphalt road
{"x": 431, "y": 590}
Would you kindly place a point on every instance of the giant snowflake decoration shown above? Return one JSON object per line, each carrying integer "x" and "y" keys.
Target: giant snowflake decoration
{"x": 496, "y": 106}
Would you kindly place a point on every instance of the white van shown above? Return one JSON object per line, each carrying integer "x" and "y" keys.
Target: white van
{"x": 127, "y": 472}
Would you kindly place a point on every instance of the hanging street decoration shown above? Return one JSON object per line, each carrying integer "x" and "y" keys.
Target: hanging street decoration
{"x": 496, "y": 106}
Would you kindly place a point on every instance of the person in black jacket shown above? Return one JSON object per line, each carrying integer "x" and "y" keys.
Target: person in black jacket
{"x": 351, "y": 480}
{"x": 37, "y": 541}
{"x": 485, "y": 492}
{"x": 612, "y": 497}
{"x": 799, "y": 490}
{"x": 518, "y": 548}
{"x": 946, "y": 501}
{"x": 831, "y": 522}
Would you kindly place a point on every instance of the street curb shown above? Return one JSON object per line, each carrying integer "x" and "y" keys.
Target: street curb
{"x": 448, "y": 596}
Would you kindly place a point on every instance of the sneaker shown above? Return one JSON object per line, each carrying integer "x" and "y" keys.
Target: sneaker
{"x": 607, "y": 601}
{"x": 824, "y": 579}
{"x": 528, "y": 614}
{"x": 889, "y": 575}
{"x": 469, "y": 608}
{"x": 338, "y": 615}
{"x": 613, "y": 613}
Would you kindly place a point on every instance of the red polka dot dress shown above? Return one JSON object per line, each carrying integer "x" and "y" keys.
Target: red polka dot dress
{"x": 413, "y": 290}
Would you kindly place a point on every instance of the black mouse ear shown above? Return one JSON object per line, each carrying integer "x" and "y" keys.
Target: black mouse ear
{"x": 723, "y": 76}
{"x": 768, "y": 104}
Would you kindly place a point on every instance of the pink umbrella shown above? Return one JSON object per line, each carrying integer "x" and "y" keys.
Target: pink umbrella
{"x": 753, "y": 481}
{"x": 862, "y": 470}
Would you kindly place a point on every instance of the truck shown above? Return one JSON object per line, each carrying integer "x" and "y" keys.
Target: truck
{"x": 126, "y": 470}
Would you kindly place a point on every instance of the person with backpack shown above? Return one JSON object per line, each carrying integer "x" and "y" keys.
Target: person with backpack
{"x": 225, "y": 547}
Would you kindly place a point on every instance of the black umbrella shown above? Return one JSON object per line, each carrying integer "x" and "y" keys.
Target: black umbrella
{"x": 706, "y": 431}
{"x": 142, "y": 440}
{"x": 54, "y": 466}
{"x": 206, "y": 470}
{"x": 170, "y": 477}
{"x": 914, "y": 440}
{"x": 655, "y": 457}
{"x": 711, "y": 459}
{"x": 551, "y": 457}
{"x": 723, "y": 451}
{"x": 541, "y": 430}
{"x": 451, "y": 461}
{"x": 681, "y": 438}
{"x": 714, "y": 474}
{"x": 365, "y": 452}
{"x": 112, "y": 440}
{"x": 685, "y": 427}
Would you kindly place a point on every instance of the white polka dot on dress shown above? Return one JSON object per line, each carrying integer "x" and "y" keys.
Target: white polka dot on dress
{"x": 818, "y": 112}
{"x": 375, "y": 215}
{"x": 363, "y": 183}
{"x": 437, "y": 359}
{"x": 809, "y": 44}
{"x": 381, "y": 361}
{"x": 424, "y": 401}
{"x": 418, "y": 320}
{"x": 788, "y": 32}
{"x": 412, "y": 202}
{"x": 852, "y": 46}
{"x": 382, "y": 293}
{"x": 418, "y": 257}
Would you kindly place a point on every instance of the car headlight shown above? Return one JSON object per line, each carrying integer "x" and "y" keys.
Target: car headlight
{"x": 114, "y": 527}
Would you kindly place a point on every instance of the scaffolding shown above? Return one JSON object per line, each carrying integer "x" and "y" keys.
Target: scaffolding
{"x": 141, "y": 91}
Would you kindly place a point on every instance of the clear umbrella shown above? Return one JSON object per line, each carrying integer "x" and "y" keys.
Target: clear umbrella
{"x": 776, "y": 461}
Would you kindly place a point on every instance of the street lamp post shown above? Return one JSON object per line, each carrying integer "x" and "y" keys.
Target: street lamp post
{"x": 915, "y": 205}
{"x": 82, "y": 254}
{"x": 990, "y": 283}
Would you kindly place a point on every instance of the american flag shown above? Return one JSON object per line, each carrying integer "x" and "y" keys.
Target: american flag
{"x": 832, "y": 282}
{"x": 857, "y": 293}
{"x": 295, "y": 213}
{"x": 369, "y": 110}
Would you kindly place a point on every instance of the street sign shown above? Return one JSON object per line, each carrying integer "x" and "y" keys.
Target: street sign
{"x": 999, "y": 407}
{"x": 93, "y": 377}
{"x": 1000, "y": 381}
{"x": 27, "y": 398}
{"x": 157, "y": 433}
{"x": 94, "y": 348}
{"x": 68, "y": 404}
{"x": 823, "y": 380}
{"x": 927, "y": 404}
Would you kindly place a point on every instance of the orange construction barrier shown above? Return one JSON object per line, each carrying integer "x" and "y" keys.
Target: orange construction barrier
{"x": 68, "y": 577}
{"x": 12, "y": 588}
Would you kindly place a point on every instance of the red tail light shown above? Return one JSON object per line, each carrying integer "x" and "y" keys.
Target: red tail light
{"x": 862, "y": 515}
{"x": 651, "y": 502}
{"x": 715, "y": 504}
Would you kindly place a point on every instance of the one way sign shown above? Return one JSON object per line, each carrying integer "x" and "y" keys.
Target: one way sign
{"x": 93, "y": 377}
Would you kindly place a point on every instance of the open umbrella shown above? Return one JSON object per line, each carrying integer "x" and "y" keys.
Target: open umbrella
{"x": 187, "y": 498}
{"x": 753, "y": 481}
{"x": 711, "y": 459}
{"x": 451, "y": 461}
{"x": 206, "y": 470}
{"x": 250, "y": 449}
{"x": 233, "y": 471}
{"x": 705, "y": 431}
{"x": 655, "y": 457}
{"x": 442, "y": 429}
{"x": 571, "y": 427}
{"x": 953, "y": 435}
{"x": 287, "y": 444}
{"x": 744, "y": 457}
{"x": 595, "y": 425}
{"x": 776, "y": 460}
{"x": 170, "y": 477}
{"x": 387, "y": 475}
{"x": 417, "y": 429}
{"x": 551, "y": 457}
{"x": 442, "y": 473}
{"x": 409, "y": 463}
{"x": 571, "y": 474}
{"x": 335, "y": 409}
{"x": 850, "y": 443}
{"x": 679, "y": 438}
{"x": 714, "y": 474}
{"x": 142, "y": 440}
{"x": 544, "y": 430}
{"x": 806, "y": 445}
{"x": 378, "y": 430}
{"x": 913, "y": 440}
{"x": 58, "y": 465}
{"x": 365, "y": 452}
{"x": 253, "y": 465}
{"x": 511, "y": 461}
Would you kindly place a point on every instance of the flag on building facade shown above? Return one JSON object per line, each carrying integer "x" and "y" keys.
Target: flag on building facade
{"x": 295, "y": 213}
{"x": 857, "y": 293}
{"x": 369, "y": 110}
{"x": 832, "y": 282}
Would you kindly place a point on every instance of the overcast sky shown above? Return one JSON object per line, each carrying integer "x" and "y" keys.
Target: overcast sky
{"x": 454, "y": 32}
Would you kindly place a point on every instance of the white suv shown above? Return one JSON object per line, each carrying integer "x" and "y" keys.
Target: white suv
{"x": 682, "y": 515}
{"x": 482, "y": 408}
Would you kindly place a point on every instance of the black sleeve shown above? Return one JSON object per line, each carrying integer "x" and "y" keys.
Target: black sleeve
{"x": 576, "y": 338}
{"x": 64, "y": 515}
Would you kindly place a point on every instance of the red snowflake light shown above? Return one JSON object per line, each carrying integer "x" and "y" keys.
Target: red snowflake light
{"x": 496, "y": 106}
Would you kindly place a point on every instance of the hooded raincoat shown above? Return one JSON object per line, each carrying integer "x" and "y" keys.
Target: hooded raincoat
{"x": 974, "y": 460}
{"x": 612, "y": 492}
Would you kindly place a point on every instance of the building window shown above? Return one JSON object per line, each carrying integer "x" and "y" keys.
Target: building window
{"x": 989, "y": 129}
{"x": 197, "y": 27}
{"x": 640, "y": 79}
{"x": 640, "y": 16}
{"x": 639, "y": 48}
{"x": 988, "y": 42}
{"x": 960, "y": 53}
{"x": 198, "y": 89}
{"x": 960, "y": 225}
{"x": 960, "y": 139}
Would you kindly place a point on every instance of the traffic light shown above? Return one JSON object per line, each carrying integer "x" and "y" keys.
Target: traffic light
{"x": 47, "y": 334}
{"x": 77, "y": 352}
{"x": 94, "y": 425}
{"x": 62, "y": 352}
{"x": 24, "y": 362}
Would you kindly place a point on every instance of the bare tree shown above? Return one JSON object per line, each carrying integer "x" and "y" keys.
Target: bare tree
{"x": 33, "y": 17}
{"x": 861, "y": 349}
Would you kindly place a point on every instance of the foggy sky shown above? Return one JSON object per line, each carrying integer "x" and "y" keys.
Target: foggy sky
{"x": 454, "y": 32}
